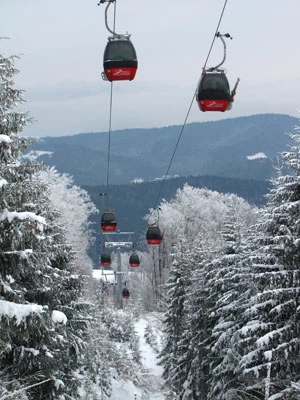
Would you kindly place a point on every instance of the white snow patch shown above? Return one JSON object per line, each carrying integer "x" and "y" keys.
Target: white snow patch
{"x": 22, "y": 216}
{"x": 59, "y": 317}
{"x": 5, "y": 139}
{"x": 5, "y": 287}
{"x": 268, "y": 355}
{"x": 34, "y": 352}
{"x": 166, "y": 177}
{"x": 124, "y": 390}
{"x": 3, "y": 182}
{"x": 264, "y": 340}
{"x": 256, "y": 156}
{"x": 35, "y": 154}
{"x": 58, "y": 383}
{"x": 295, "y": 385}
{"x": 18, "y": 311}
{"x": 137, "y": 180}
{"x": 23, "y": 254}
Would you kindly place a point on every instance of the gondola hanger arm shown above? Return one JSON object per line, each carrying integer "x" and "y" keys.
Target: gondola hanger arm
{"x": 114, "y": 34}
{"x": 105, "y": 1}
{"x": 106, "y": 19}
{"x": 156, "y": 218}
{"x": 103, "y": 199}
{"x": 219, "y": 35}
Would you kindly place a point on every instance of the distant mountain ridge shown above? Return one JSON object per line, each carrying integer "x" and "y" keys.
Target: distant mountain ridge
{"x": 243, "y": 148}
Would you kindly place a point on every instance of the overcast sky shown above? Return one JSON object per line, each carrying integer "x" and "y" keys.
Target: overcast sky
{"x": 62, "y": 44}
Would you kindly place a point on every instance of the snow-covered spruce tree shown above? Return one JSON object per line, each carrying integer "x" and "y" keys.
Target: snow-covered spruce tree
{"x": 180, "y": 235}
{"x": 75, "y": 208}
{"x": 213, "y": 280}
{"x": 175, "y": 319}
{"x": 183, "y": 228}
{"x": 36, "y": 279}
{"x": 229, "y": 278}
{"x": 210, "y": 236}
{"x": 269, "y": 340}
{"x": 192, "y": 213}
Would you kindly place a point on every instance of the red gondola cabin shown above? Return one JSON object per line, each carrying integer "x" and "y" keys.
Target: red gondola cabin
{"x": 120, "y": 60}
{"x": 153, "y": 235}
{"x": 213, "y": 92}
{"x": 125, "y": 293}
{"x": 134, "y": 260}
{"x": 108, "y": 221}
{"x": 105, "y": 259}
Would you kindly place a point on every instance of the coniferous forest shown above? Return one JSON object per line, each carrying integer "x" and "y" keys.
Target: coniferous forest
{"x": 216, "y": 304}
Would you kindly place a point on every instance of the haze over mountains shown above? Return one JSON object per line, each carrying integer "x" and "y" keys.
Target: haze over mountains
{"x": 243, "y": 148}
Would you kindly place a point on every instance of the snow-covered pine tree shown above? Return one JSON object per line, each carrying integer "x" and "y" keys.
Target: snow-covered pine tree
{"x": 36, "y": 279}
{"x": 175, "y": 320}
{"x": 191, "y": 221}
{"x": 269, "y": 341}
{"x": 229, "y": 278}
{"x": 214, "y": 291}
{"x": 75, "y": 208}
{"x": 212, "y": 239}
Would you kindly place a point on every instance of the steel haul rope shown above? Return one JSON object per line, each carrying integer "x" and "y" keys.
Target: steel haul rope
{"x": 215, "y": 34}
{"x": 109, "y": 137}
{"x": 188, "y": 112}
{"x": 110, "y": 109}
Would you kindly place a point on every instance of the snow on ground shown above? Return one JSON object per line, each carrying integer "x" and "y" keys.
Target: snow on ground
{"x": 153, "y": 389}
{"x": 149, "y": 358}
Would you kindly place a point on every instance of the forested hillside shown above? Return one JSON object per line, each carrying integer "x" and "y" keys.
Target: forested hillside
{"x": 243, "y": 148}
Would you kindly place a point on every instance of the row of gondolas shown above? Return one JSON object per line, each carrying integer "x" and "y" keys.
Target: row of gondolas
{"x": 109, "y": 224}
{"x": 213, "y": 94}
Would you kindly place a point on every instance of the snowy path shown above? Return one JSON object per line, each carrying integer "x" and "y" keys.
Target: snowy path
{"x": 149, "y": 362}
{"x": 153, "y": 388}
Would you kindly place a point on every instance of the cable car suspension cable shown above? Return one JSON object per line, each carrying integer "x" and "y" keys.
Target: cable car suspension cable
{"x": 109, "y": 137}
{"x": 111, "y": 98}
{"x": 174, "y": 152}
{"x": 215, "y": 34}
{"x": 189, "y": 109}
